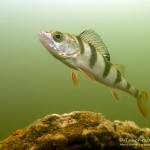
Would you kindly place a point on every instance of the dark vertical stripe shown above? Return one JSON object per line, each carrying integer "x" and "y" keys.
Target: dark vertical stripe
{"x": 118, "y": 79}
{"x": 93, "y": 58}
{"x": 80, "y": 44}
{"x": 107, "y": 68}
{"x": 128, "y": 85}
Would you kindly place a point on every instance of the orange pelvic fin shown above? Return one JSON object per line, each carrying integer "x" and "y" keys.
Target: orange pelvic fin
{"x": 74, "y": 78}
{"x": 115, "y": 95}
{"x": 88, "y": 75}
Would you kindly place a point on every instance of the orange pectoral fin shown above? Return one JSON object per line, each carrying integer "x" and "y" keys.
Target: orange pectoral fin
{"x": 88, "y": 75}
{"x": 74, "y": 78}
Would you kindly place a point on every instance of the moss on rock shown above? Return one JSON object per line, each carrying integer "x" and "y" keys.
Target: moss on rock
{"x": 79, "y": 130}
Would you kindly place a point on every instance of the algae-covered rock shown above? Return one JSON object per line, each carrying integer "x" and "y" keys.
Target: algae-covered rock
{"x": 78, "y": 131}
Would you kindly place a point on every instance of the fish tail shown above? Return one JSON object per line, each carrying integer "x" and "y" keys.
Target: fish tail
{"x": 142, "y": 99}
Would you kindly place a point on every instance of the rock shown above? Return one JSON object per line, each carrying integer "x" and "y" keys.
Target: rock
{"x": 78, "y": 131}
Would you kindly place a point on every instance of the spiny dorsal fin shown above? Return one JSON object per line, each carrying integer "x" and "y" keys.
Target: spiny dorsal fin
{"x": 94, "y": 39}
{"x": 120, "y": 68}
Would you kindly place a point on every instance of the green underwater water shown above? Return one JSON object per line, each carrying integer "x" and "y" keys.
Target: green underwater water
{"x": 34, "y": 84}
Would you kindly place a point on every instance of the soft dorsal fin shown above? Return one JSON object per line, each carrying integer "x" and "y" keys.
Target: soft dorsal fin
{"x": 120, "y": 68}
{"x": 94, "y": 39}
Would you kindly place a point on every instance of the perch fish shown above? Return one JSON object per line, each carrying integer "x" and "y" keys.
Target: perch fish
{"x": 87, "y": 53}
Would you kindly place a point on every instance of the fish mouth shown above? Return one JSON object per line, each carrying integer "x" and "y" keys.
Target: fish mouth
{"x": 43, "y": 36}
{"x": 46, "y": 39}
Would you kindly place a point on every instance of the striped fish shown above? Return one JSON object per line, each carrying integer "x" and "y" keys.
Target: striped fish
{"x": 88, "y": 54}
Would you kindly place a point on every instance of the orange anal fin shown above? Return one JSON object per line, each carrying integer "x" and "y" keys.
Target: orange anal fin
{"x": 88, "y": 75}
{"x": 115, "y": 95}
{"x": 74, "y": 78}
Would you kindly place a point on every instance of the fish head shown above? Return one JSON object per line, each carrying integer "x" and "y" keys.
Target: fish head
{"x": 60, "y": 45}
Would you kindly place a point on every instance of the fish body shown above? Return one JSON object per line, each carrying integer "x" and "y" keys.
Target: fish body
{"x": 106, "y": 73}
{"x": 87, "y": 53}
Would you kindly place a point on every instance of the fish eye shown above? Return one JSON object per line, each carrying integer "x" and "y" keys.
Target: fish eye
{"x": 57, "y": 37}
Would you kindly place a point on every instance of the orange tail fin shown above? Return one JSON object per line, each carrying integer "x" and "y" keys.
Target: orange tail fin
{"x": 142, "y": 99}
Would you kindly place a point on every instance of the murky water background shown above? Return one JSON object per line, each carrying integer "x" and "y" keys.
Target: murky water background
{"x": 34, "y": 84}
